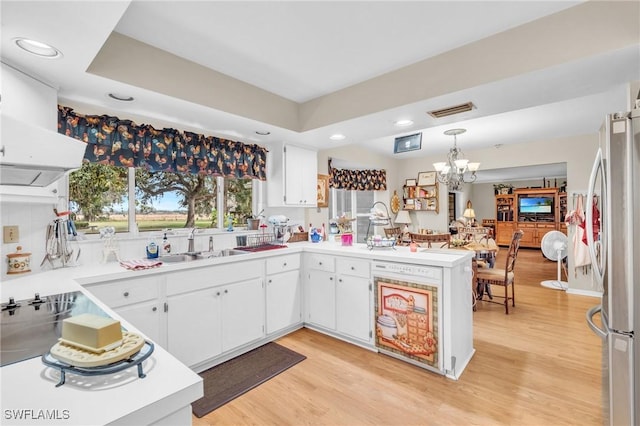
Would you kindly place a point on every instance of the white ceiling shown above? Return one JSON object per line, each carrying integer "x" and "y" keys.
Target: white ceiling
{"x": 308, "y": 49}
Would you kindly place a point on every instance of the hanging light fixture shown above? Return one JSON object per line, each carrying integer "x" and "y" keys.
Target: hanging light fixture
{"x": 452, "y": 172}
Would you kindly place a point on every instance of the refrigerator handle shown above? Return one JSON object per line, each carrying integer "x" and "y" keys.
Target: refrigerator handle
{"x": 590, "y": 314}
{"x": 598, "y": 268}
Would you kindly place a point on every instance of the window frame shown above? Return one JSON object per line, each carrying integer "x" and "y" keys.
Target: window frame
{"x": 257, "y": 202}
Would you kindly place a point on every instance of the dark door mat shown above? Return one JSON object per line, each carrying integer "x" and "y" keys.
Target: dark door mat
{"x": 232, "y": 378}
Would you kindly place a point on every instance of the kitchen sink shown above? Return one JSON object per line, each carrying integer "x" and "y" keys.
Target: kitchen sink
{"x": 189, "y": 257}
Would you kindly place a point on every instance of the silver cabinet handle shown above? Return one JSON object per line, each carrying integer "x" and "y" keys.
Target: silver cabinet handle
{"x": 320, "y": 263}
{"x": 154, "y": 309}
{"x": 284, "y": 264}
{"x": 339, "y": 280}
{"x": 226, "y": 291}
{"x": 330, "y": 278}
{"x": 590, "y": 314}
{"x": 270, "y": 281}
{"x": 218, "y": 294}
{"x": 126, "y": 294}
{"x": 353, "y": 268}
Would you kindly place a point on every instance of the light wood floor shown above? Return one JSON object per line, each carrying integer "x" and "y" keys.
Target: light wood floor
{"x": 540, "y": 365}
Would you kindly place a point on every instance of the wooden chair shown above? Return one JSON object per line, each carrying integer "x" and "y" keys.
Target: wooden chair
{"x": 427, "y": 239}
{"x": 486, "y": 277}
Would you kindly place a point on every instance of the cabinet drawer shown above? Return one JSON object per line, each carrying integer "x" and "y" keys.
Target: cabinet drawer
{"x": 546, "y": 226}
{"x": 526, "y": 225}
{"x": 212, "y": 276}
{"x": 126, "y": 292}
{"x": 284, "y": 263}
{"x": 354, "y": 267}
{"x": 320, "y": 262}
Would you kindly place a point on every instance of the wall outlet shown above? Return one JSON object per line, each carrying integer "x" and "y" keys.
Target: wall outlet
{"x": 10, "y": 234}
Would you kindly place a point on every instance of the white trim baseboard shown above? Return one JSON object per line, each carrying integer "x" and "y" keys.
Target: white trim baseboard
{"x": 581, "y": 292}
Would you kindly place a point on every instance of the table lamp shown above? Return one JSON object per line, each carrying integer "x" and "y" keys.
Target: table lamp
{"x": 403, "y": 217}
{"x": 469, "y": 214}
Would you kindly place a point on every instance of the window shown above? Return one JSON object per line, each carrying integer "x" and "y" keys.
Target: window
{"x": 353, "y": 204}
{"x": 99, "y": 195}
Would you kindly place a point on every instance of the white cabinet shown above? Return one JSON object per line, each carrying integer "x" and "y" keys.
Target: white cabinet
{"x": 293, "y": 176}
{"x": 148, "y": 317}
{"x": 194, "y": 332}
{"x": 242, "y": 309}
{"x": 214, "y": 309}
{"x": 320, "y": 291}
{"x": 283, "y": 292}
{"x": 353, "y": 299}
{"x": 137, "y": 300}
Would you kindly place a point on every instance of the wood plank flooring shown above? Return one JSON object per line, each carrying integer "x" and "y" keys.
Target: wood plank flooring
{"x": 539, "y": 365}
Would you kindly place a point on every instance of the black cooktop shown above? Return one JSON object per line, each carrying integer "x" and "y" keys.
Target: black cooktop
{"x": 30, "y": 327}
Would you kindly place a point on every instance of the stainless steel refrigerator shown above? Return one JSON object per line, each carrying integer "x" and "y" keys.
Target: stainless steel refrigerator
{"x": 615, "y": 257}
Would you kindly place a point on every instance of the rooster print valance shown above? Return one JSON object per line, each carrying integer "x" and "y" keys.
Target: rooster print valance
{"x": 357, "y": 180}
{"x": 118, "y": 142}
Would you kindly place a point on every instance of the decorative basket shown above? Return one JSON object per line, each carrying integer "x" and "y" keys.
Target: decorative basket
{"x": 298, "y": 237}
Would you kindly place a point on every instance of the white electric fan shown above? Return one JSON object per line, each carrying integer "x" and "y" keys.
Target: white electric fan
{"x": 554, "y": 247}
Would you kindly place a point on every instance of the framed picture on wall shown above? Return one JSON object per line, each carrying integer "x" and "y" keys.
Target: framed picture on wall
{"x": 410, "y": 182}
{"x": 426, "y": 178}
{"x": 323, "y": 191}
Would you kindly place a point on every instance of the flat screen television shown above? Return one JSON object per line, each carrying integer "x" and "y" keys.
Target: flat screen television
{"x": 535, "y": 206}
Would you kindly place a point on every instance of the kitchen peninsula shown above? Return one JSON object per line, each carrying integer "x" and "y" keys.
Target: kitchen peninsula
{"x": 255, "y": 297}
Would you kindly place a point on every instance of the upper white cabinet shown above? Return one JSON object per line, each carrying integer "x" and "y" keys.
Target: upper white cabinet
{"x": 292, "y": 176}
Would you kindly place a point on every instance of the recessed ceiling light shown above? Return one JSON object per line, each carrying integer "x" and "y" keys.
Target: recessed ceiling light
{"x": 337, "y": 137}
{"x": 263, "y": 133}
{"x": 122, "y": 98}
{"x": 37, "y": 48}
{"x": 403, "y": 123}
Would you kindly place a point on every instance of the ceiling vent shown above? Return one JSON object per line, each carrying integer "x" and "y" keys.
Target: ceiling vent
{"x": 456, "y": 109}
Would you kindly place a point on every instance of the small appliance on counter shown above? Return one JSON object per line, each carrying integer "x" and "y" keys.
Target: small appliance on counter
{"x": 280, "y": 225}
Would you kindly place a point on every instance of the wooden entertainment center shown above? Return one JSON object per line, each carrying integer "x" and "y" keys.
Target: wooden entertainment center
{"x": 536, "y": 211}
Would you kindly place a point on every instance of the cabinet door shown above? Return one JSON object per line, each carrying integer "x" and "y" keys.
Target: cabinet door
{"x": 283, "y": 300}
{"x": 320, "y": 295}
{"x": 300, "y": 176}
{"x": 193, "y": 325}
{"x": 148, "y": 318}
{"x": 353, "y": 307}
{"x": 529, "y": 237}
{"x": 242, "y": 313}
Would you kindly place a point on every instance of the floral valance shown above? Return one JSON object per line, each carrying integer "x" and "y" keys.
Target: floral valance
{"x": 358, "y": 180}
{"x": 118, "y": 142}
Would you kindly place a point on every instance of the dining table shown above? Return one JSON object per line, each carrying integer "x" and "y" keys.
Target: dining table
{"x": 486, "y": 251}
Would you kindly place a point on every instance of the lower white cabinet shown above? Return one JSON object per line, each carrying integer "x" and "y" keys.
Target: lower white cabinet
{"x": 148, "y": 317}
{"x": 209, "y": 314}
{"x": 353, "y": 307}
{"x": 354, "y": 295}
{"x": 320, "y": 296}
{"x": 137, "y": 300}
{"x": 193, "y": 325}
{"x": 283, "y": 292}
{"x": 242, "y": 310}
{"x": 283, "y": 300}
{"x": 338, "y": 296}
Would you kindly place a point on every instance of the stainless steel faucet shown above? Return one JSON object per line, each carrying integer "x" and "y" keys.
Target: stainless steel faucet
{"x": 190, "y": 239}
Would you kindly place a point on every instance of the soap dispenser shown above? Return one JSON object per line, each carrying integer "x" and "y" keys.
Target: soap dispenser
{"x": 166, "y": 245}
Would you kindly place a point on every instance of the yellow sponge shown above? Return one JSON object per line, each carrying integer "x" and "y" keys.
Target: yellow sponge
{"x": 92, "y": 332}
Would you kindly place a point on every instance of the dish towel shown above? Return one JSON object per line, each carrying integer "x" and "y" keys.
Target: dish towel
{"x": 139, "y": 264}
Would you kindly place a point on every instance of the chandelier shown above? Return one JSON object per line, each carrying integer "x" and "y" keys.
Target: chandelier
{"x": 453, "y": 173}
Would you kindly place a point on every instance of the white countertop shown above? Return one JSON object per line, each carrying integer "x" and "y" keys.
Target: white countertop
{"x": 124, "y": 398}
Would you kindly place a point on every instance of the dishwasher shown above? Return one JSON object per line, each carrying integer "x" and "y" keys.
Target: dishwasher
{"x": 408, "y": 306}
